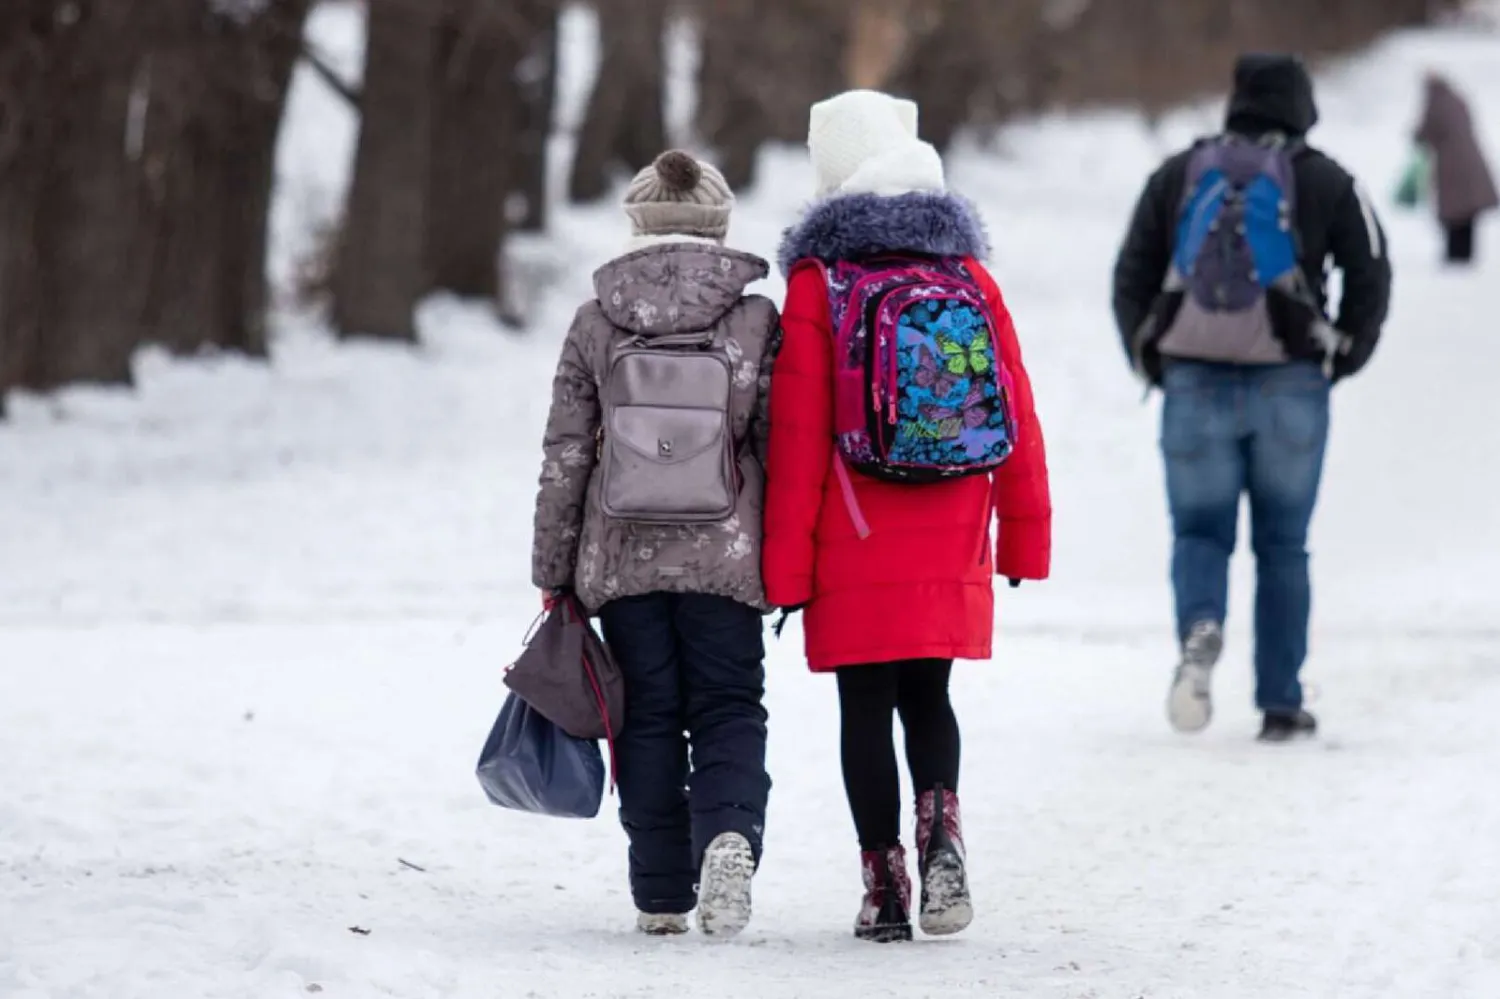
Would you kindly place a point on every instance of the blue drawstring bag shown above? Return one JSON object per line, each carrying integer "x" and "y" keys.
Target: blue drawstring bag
{"x": 531, "y": 765}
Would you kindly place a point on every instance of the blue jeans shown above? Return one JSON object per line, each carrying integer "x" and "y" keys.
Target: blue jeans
{"x": 694, "y": 680}
{"x": 1228, "y": 430}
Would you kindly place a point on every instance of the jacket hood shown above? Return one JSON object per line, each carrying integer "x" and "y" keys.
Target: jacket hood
{"x": 851, "y": 226}
{"x": 1272, "y": 93}
{"x": 674, "y": 287}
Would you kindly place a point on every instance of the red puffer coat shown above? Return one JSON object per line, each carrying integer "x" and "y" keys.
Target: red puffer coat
{"x": 920, "y": 585}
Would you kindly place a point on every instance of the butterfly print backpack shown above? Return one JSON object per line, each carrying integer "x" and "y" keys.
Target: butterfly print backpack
{"x": 920, "y": 391}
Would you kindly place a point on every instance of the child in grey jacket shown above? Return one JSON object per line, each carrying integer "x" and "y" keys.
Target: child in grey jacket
{"x": 681, "y": 600}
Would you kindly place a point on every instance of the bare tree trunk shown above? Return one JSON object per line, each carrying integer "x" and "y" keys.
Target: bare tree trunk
{"x": 741, "y": 105}
{"x": 945, "y": 68}
{"x": 217, "y": 89}
{"x": 259, "y": 110}
{"x": 69, "y": 200}
{"x": 29, "y": 85}
{"x": 381, "y": 265}
{"x": 878, "y": 35}
{"x": 474, "y": 115}
{"x": 136, "y": 192}
{"x": 732, "y": 111}
{"x": 625, "y": 125}
{"x": 538, "y": 81}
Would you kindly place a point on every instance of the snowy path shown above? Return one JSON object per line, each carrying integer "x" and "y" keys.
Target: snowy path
{"x": 251, "y": 627}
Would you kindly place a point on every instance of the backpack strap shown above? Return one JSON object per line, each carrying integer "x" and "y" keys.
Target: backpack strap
{"x": 851, "y": 502}
{"x": 840, "y": 470}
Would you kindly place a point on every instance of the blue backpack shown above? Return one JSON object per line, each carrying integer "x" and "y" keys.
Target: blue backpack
{"x": 1236, "y": 239}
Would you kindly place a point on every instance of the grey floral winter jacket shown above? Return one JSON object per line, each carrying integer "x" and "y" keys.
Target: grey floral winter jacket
{"x": 665, "y": 289}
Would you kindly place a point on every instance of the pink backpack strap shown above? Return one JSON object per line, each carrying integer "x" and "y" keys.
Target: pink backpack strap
{"x": 840, "y": 470}
{"x": 851, "y": 502}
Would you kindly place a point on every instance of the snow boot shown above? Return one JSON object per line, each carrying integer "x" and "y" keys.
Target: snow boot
{"x": 1281, "y": 727}
{"x": 661, "y": 924}
{"x": 946, "y": 904}
{"x": 885, "y": 914}
{"x": 1190, "y": 703}
{"x": 724, "y": 885}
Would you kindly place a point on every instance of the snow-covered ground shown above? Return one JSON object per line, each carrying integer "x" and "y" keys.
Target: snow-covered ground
{"x": 252, "y": 623}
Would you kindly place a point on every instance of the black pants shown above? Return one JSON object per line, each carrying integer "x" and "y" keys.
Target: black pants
{"x": 1460, "y": 241}
{"x": 917, "y": 689}
{"x": 694, "y": 679}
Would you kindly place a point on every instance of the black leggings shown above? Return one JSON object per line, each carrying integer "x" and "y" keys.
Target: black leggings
{"x": 918, "y": 690}
{"x": 1460, "y": 242}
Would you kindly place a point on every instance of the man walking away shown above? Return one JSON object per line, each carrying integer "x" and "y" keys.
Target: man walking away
{"x": 1220, "y": 294}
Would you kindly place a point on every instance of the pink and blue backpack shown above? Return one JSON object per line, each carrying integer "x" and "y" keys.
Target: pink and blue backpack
{"x": 920, "y": 392}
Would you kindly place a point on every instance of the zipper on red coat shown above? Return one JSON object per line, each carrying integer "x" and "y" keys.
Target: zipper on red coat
{"x": 892, "y": 380}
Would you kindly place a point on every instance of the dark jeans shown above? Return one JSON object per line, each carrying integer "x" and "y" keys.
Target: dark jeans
{"x": 1230, "y": 430}
{"x": 1460, "y": 241}
{"x": 916, "y": 689}
{"x": 694, "y": 680}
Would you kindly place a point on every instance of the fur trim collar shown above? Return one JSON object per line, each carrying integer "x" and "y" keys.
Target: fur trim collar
{"x": 851, "y": 226}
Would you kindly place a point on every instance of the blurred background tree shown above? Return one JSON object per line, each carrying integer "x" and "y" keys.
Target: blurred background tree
{"x": 137, "y": 140}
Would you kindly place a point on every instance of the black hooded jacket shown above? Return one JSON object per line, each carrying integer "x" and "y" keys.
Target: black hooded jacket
{"x": 1334, "y": 220}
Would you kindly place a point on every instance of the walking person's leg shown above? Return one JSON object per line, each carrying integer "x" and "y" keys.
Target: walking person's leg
{"x": 867, "y": 707}
{"x": 928, "y": 721}
{"x": 932, "y": 754}
{"x": 1202, "y": 447}
{"x": 724, "y": 683}
{"x": 1460, "y": 241}
{"x": 651, "y": 751}
{"x": 1290, "y": 419}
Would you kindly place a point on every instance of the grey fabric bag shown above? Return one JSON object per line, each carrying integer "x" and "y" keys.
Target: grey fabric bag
{"x": 567, "y": 675}
{"x": 667, "y": 448}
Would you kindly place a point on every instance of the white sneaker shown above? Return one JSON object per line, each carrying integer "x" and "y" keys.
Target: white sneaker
{"x": 661, "y": 924}
{"x": 1190, "y": 704}
{"x": 724, "y": 885}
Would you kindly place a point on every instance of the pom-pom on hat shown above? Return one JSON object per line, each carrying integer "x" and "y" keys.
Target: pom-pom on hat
{"x": 679, "y": 196}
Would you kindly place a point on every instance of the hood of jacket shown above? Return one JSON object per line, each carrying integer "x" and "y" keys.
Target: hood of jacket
{"x": 1446, "y": 115}
{"x": 674, "y": 288}
{"x": 851, "y": 226}
{"x": 1272, "y": 93}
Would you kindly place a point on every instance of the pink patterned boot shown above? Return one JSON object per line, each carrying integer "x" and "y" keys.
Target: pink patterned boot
{"x": 885, "y": 915}
{"x": 946, "y": 905}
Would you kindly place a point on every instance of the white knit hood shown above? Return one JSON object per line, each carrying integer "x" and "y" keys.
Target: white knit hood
{"x": 865, "y": 142}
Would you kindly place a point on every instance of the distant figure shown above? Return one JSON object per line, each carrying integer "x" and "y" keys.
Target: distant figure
{"x": 1465, "y": 188}
{"x": 1220, "y": 297}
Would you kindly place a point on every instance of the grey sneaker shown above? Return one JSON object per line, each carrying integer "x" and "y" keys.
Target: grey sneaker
{"x": 661, "y": 924}
{"x": 1190, "y": 704}
{"x": 724, "y": 885}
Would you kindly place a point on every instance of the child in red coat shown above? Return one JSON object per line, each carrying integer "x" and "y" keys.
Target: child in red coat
{"x": 893, "y": 594}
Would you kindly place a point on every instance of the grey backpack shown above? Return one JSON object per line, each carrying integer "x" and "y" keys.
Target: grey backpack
{"x": 667, "y": 448}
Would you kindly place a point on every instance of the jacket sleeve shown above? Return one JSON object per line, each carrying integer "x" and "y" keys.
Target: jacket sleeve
{"x": 1020, "y": 491}
{"x": 1357, "y": 243}
{"x": 760, "y": 417}
{"x": 801, "y": 441}
{"x": 1146, "y": 253}
{"x": 568, "y": 458}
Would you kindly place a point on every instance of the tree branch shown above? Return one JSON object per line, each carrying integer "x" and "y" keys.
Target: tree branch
{"x": 329, "y": 76}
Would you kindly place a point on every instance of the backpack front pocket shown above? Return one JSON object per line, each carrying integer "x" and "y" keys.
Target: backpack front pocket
{"x": 668, "y": 465}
